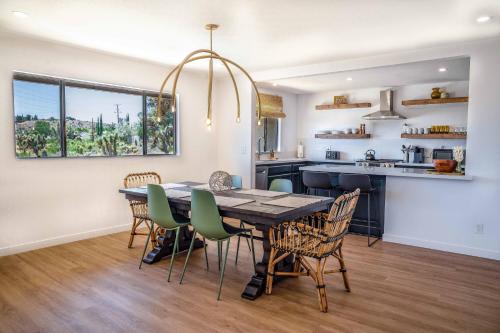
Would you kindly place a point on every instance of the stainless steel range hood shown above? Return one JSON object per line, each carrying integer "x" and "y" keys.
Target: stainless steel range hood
{"x": 386, "y": 111}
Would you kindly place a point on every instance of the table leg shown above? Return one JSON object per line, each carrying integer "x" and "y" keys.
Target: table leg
{"x": 165, "y": 245}
{"x": 257, "y": 284}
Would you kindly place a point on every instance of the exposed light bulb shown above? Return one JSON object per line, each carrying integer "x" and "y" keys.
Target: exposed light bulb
{"x": 349, "y": 79}
{"x": 483, "y": 19}
{"x": 209, "y": 122}
{"x": 259, "y": 122}
{"x": 19, "y": 14}
{"x": 238, "y": 120}
{"x": 275, "y": 84}
{"x": 443, "y": 69}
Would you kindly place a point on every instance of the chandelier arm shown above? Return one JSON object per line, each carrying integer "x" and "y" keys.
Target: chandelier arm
{"x": 236, "y": 92}
{"x": 259, "y": 111}
{"x": 178, "y": 68}
{"x": 185, "y": 61}
{"x": 212, "y": 55}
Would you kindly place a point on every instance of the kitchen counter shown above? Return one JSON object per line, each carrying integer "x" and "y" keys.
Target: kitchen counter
{"x": 390, "y": 172}
{"x": 425, "y": 165}
{"x": 298, "y": 160}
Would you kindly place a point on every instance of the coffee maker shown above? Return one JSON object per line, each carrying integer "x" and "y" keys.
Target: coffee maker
{"x": 417, "y": 155}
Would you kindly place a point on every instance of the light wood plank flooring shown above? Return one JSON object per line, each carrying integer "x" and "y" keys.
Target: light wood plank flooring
{"x": 94, "y": 286}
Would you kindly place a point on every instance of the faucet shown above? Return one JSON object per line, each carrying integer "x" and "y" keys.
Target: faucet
{"x": 259, "y": 152}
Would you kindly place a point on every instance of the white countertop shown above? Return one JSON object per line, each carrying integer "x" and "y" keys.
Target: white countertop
{"x": 390, "y": 172}
{"x": 298, "y": 160}
{"x": 427, "y": 165}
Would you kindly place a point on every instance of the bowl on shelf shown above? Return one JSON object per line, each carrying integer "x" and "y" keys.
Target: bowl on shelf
{"x": 355, "y": 130}
{"x": 348, "y": 131}
{"x": 445, "y": 165}
{"x": 336, "y": 132}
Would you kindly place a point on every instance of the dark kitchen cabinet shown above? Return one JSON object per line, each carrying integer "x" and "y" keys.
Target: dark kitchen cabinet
{"x": 261, "y": 178}
{"x": 265, "y": 174}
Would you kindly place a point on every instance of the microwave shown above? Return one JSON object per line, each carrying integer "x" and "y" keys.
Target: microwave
{"x": 444, "y": 154}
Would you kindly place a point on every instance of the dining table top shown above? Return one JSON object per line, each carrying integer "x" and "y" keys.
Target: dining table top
{"x": 260, "y": 206}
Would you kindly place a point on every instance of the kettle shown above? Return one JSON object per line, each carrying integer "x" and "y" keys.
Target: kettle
{"x": 370, "y": 155}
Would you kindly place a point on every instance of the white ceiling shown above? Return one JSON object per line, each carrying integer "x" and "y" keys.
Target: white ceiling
{"x": 457, "y": 69}
{"x": 257, "y": 34}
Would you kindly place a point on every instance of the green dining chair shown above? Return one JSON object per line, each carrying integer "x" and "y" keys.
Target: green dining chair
{"x": 160, "y": 214}
{"x": 236, "y": 181}
{"x": 238, "y": 184}
{"x": 281, "y": 185}
{"x": 206, "y": 221}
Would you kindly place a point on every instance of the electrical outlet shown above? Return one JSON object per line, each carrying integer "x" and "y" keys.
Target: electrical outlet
{"x": 480, "y": 229}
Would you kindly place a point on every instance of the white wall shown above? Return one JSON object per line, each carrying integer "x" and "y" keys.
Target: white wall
{"x": 443, "y": 214}
{"x": 44, "y": 202}
{"x": 234, "y": 140}
{"x": 386, "y": 134}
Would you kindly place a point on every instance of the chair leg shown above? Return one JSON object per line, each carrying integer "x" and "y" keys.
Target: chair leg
{"x": 132, "y": 233}
{"x": 320, "y": 285}
{"x": 242, "y": 226}
{"x": 205, "y": 248}
{"x": 145, "y": 247}
{"x": 343, "y": 269}
{"x": 174, "y": 249}
{"x": 188, "y": 255}
{"x": 223, "y": 269}
{"x": 219, "y": 252}
{"x": 237, "y": 250}
{"x": 296, "y": 264}
{"x": 270, "y": 272}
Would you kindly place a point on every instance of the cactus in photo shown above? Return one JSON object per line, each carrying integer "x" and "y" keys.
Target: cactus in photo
{"x": 109, "y": 145}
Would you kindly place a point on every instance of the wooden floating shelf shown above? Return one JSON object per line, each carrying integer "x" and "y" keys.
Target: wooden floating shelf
{"x": 343, "y": 106}
{"x": 411, "y": 102}
{"x": 342, "y": 136}
{"x": 434, "y": 136}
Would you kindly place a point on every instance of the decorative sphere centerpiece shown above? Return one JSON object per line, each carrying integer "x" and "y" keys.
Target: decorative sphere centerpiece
{"x": 220, "y": 181}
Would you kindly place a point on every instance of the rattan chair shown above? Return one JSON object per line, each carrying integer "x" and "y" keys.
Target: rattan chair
{"x": 316, "y": 237}
{"x": 140, "y": 209}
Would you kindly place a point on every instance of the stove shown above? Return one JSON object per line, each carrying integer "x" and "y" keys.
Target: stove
{"x": 383, "y": 163}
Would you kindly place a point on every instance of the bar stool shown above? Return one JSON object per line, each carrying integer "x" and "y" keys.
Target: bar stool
{"x": 317, "y": 181}
{"x": 350, "y": 182}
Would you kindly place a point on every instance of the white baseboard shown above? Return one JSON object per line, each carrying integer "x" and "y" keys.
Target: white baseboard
{"x": 472, "y": 251}
{"x": 23, "y": 247}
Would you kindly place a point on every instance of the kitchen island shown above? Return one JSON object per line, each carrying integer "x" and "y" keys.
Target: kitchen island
{"x": 394, "y": 186}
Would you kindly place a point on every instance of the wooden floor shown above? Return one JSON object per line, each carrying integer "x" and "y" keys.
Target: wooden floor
{"x": 95, "y": 286}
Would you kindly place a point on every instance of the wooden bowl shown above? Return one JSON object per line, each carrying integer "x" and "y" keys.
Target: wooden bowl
{"x": 445, "y": 165}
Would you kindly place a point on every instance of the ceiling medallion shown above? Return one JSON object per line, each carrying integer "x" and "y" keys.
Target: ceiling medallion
{"x": 211, "y": 55}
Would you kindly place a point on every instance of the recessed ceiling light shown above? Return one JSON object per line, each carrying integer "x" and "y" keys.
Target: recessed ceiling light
{"x": 349, "y": 79}
{"x": 483, "y": 19}
{"x": 275, "y": 84}
{"x": 442, "y": 69}
{"x": 19, "y": 14}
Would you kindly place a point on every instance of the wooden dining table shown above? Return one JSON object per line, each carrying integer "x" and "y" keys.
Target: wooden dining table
{"x": 257, "y": 210}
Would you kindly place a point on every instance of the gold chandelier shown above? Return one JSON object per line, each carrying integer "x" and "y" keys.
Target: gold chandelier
{"x": 211, "y": 55}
